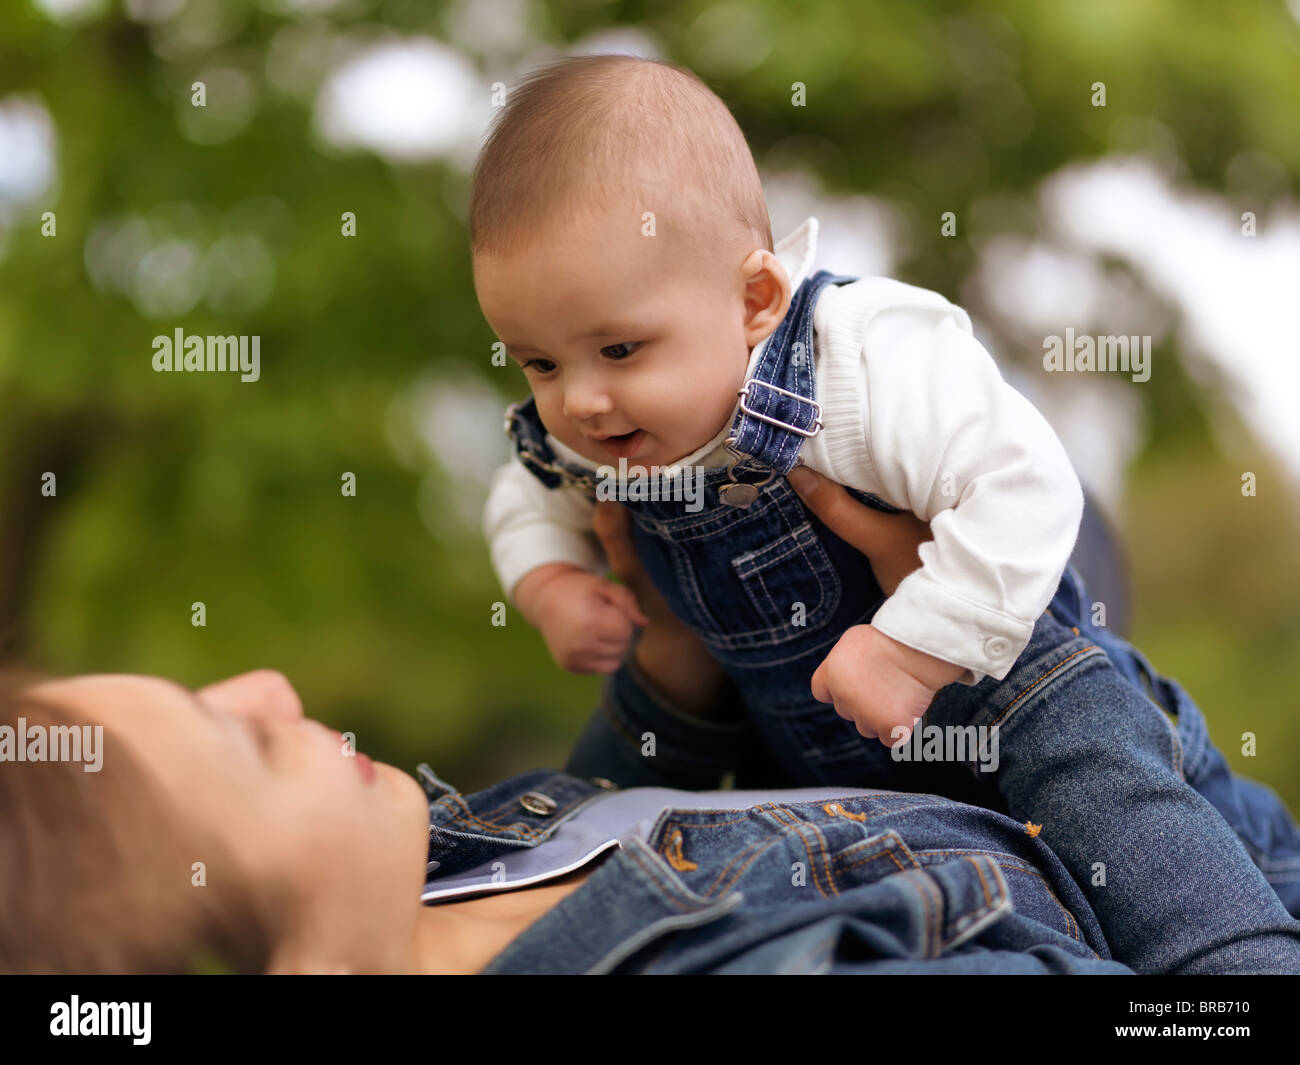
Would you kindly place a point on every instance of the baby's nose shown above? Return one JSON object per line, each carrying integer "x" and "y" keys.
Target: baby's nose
{"x": 583, "y": 401}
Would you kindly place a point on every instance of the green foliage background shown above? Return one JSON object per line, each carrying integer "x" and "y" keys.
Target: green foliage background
{"x": 177, "y": 488}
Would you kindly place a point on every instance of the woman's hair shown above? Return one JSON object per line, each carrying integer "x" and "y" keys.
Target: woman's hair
{"x": 96, "y": 868}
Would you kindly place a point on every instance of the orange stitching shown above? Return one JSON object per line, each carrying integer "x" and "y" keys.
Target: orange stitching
{"x": 767, "y": 845}
{"x": 834, "y": 808}
{"x": 812, "y": 858}
{"x": 471, "y": 817}
{"x": 933, "y": 909}
{"x": 1019, "y": 865}
{"x": 1071, "y": 925}
{"x": 711, "y": 824}
{"x": 988, "y": 898}
{"x": 758, "y": 846}
{"x": 878, "y": 855}
{"x": 657, "y": 878}
{"x": 1059, "y": 665}
{"x": 673, "y": 852}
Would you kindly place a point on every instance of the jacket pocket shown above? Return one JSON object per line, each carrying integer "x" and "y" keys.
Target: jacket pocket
{"x": 937, "y": 908}
{"x": 947, "y": 903}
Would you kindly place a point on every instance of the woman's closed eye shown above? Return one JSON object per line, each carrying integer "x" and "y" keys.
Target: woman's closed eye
{"x": 261, "y": 733}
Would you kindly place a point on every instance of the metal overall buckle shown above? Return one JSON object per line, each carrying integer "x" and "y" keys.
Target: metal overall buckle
{"x": 742, "y": 493}
{"x": 817, "y": 408}
{"x": 739, "y": 493}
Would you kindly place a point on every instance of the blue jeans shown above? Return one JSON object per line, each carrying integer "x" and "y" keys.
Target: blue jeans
{"x": 1256, "y": 813}
{"x": 1086, "y": 757}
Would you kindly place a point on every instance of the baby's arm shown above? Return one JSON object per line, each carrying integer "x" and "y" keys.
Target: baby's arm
{"x": 942, "y": 435}
{"x": 948, "y": 439}
{"x": 1096, "y": 768}
{"x": 550, "y": 564}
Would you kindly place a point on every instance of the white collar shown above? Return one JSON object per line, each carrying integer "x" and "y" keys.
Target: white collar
{"x": 796, "y": 252}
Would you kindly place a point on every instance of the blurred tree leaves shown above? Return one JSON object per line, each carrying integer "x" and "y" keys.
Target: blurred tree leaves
{"x": 178, "y": 488}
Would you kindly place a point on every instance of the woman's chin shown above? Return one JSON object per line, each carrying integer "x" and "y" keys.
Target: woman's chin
{"x": 403, "y": 789}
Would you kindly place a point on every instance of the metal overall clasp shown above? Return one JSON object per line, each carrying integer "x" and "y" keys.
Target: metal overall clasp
{"x": 529, "y": 457}
{"x": 743, "y": 493}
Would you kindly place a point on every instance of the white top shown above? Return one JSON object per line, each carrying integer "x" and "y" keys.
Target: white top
{"x": 915, "y": 412}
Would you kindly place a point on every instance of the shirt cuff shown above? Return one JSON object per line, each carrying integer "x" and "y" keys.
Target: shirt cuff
{"x": 521, "y": 550}
{"x": 929, "y": 618}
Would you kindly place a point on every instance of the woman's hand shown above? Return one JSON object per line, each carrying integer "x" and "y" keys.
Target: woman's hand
{"x": 890, "y": 541}
{"x": 668, "y": 651}
{"x": 670, "y": 655}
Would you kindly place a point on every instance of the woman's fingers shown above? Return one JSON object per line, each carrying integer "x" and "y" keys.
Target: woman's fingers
{"x": 890, "y": 541}
{"x": 612, "y": 526}
{"x": 609, "y": 521}
{"x": 853, "y": 522}
{"x": 621, "y": 596}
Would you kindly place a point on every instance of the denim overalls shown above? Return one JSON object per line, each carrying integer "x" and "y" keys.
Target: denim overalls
{"x": 769, "y": 590}
{"x": 767, "y": 587}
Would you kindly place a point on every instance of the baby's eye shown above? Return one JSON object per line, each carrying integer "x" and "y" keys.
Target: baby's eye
{"x": 617, "y": 347}
{"x": 542, "y": 366}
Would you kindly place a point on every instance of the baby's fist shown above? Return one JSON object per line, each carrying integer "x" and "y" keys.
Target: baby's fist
{"x": 588, "y": 622}
{"x": 879, "y": 684}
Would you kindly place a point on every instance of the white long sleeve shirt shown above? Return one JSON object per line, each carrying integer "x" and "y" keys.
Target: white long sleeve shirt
{"x": 915, "y": 412}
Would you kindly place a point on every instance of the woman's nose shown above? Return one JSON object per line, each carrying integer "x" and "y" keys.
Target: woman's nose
{"x": 263, "y": 692}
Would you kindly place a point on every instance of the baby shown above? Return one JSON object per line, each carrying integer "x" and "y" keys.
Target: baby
{"x": 622, "y": 254}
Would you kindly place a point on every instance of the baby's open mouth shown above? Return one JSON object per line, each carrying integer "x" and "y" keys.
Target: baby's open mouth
{"x": 623, "y": 445}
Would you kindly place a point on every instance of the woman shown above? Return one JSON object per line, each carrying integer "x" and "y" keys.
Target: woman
{"x": 224, "y": 829}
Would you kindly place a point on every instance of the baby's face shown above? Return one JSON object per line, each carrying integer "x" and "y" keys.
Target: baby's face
{"x": 630, "y": 351}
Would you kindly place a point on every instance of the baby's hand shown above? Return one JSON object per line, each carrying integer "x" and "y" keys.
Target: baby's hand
{"x": 879, "y": 684}
{"x": 587, "y": 621}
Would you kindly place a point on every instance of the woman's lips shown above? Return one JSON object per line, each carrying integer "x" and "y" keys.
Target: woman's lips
{"x": 364, "y": 765}
{"x": 623, "y": 446}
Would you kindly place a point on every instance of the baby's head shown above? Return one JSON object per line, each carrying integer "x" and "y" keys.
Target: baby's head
{"x": 623, "y": 254}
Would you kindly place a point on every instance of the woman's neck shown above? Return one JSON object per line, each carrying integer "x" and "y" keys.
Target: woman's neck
{"x": 460, "y": 938}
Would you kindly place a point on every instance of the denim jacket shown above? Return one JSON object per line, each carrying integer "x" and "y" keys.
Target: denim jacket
{"x": 872, "y": 882}
{"x": 893, "y": 882}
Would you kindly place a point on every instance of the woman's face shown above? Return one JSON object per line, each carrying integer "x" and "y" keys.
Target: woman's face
{"x": 336, "y": 844}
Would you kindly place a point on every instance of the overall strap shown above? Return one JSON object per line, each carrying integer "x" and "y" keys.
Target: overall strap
{"x": 777, "y": 409}
{"x": 528, "y": 435}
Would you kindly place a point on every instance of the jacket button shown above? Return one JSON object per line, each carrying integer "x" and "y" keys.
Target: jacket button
{"x": 431, "y": 867}
{"x": 537, "y": 803}
{"x": 603, "y": 782}
{"x": 997, "y": 647}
